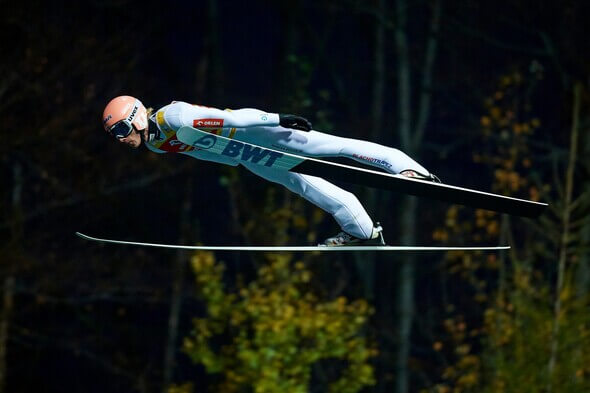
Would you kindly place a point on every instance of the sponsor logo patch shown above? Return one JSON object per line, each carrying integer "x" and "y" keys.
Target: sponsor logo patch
{"x": 373, "y": 160}
{"x": 173, "y": 145}
{"x": 241, "y": 151}
{"x": 205, "y": 142}
{"x": 132, "y": 115}
{"x": 207, "y": 123}
{"x": 250, "y": 153}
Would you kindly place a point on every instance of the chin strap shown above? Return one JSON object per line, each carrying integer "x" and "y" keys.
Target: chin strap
{"x": 153, "y": 132}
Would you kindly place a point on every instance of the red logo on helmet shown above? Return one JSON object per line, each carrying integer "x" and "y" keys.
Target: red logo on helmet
{"x": 207, "y": 123}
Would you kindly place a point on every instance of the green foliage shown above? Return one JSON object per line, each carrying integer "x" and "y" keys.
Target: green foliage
{"x": 274, "y": 333}
{"x": 520, "y": 334}
{"x": 184, "y": 388}
{"x": 514, "y": 327}
{"x": 516, "y": 338}
{"x": 269, "y": 335}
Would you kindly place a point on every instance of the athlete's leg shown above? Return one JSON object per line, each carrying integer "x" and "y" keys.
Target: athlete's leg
{"x": 319, "y": 144}
{"x": 384, "y": 157}
{"x": 342, "y": 205}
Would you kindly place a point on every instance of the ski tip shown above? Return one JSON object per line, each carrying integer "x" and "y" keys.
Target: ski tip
{"x": 81, "y": 235}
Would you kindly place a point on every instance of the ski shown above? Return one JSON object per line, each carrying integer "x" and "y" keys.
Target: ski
{"x": 243, "y": 151}
{"x": 290, "y": 248}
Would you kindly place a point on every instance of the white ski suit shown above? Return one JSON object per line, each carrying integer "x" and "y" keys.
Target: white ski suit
{"x": 263, "y": 129}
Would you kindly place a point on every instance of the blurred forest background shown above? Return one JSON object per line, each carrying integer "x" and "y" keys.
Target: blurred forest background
{"x": 492, "y": 95}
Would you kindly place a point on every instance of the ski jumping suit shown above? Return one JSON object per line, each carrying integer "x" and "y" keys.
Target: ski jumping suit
{"x": 263, "y": 129}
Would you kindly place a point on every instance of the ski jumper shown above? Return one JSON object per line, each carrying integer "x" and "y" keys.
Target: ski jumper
{"x": 263, "y": 129}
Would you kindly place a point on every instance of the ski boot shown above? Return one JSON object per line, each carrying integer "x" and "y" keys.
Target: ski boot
{"x": 420, "y": 176}
{"x": 344, "y": 239}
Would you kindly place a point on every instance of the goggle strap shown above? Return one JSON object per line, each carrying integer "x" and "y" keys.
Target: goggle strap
{"x": 134, "y": 111}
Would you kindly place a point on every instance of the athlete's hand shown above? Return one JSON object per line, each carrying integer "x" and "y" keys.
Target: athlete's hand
{"x": 295, "y": 122}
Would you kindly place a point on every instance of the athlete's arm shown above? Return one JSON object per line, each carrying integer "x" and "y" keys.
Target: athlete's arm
{"x": 206, "y": 117}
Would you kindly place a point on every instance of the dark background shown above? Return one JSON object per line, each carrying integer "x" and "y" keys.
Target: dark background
{"x": 87, "y": 317}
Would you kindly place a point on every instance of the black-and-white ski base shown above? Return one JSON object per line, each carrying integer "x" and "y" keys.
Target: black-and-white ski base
{"x": 290, "y": 248}
{"x": 243, "y": 151}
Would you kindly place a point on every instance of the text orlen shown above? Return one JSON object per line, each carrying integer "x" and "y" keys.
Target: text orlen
{"x": 207, "y": 123}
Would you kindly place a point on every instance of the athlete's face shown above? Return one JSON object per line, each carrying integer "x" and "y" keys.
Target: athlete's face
{"x": 133, "y": 140}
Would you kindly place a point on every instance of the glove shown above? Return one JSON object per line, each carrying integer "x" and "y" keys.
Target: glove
{"x": 295, "y": 122}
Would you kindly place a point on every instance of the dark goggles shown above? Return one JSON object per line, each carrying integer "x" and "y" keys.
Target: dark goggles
{"x": 121, "y": 129}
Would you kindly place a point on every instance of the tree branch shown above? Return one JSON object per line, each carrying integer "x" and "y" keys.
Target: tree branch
{"x": 461, "y": 27}
{"x": 565, "y": 237}
{"x": 81, "y": 198}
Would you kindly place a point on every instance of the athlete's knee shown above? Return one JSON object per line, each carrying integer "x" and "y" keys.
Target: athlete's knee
{"x": 346, "y": 202}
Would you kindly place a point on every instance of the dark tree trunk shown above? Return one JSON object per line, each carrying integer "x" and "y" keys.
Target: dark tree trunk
{"x": 182, "y": 258}
{"x": 411, "y": 138}
{"x": 9, "y": 281}
{"x": 366, "y": 262}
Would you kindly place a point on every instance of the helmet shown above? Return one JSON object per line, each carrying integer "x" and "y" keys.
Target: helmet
{"x": 121, "y": 113}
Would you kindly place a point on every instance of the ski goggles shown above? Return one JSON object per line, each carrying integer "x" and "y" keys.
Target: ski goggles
{"x": 121, "y": 129}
